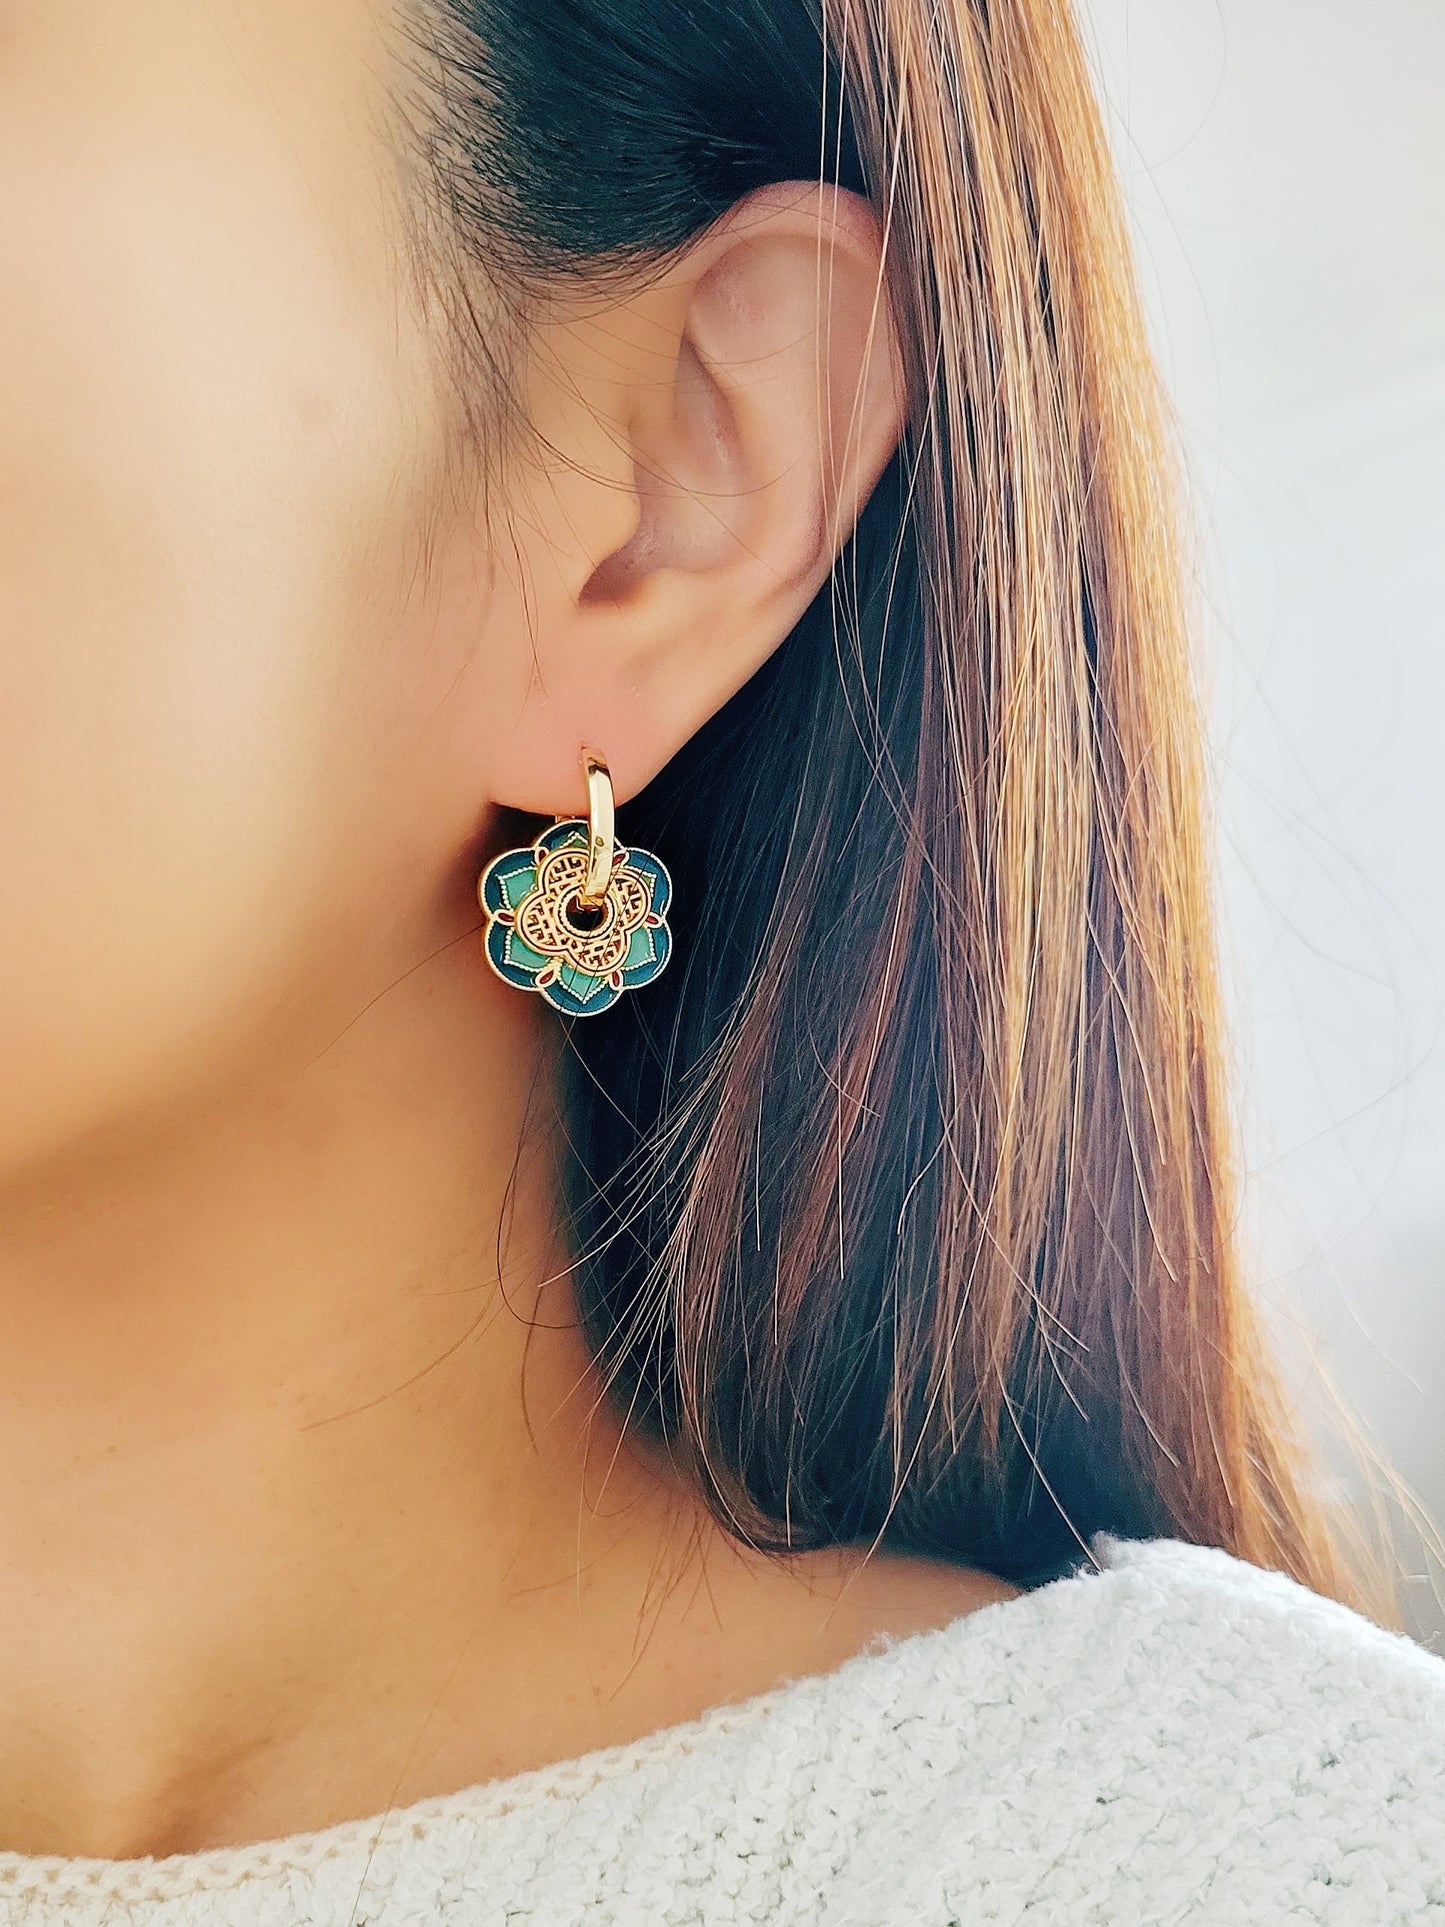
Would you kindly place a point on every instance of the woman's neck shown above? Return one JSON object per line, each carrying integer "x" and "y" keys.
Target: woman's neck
{"x": 310, "y": 1506}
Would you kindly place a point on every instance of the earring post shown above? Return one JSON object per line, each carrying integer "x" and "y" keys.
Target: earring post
{"x": 601, "y": 829}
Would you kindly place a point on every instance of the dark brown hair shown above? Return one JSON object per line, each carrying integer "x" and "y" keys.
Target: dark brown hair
{"x": 902, "y": 1201}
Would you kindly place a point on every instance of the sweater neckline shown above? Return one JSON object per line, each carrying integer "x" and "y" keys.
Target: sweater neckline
{"x": 209, "y": 1869}
{"x": 212, "y": 1869}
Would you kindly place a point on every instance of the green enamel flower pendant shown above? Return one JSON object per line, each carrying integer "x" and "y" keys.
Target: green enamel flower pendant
{"x": 540, "y": 936}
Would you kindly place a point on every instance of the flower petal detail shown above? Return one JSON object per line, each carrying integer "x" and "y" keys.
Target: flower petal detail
{"x": 512, "y": 959}
{"x": 648, "y": 867}
{"x": 578, "y": 993}
{"x": 505, "y": 882}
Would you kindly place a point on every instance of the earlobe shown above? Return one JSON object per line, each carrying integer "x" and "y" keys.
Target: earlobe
{"x": 749, "y": 398}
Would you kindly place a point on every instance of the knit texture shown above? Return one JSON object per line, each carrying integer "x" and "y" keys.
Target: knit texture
{"x": 1179, "y": 1737}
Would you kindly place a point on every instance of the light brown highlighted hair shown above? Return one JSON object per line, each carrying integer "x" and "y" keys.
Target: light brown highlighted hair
{"x": 903, "y": 1201}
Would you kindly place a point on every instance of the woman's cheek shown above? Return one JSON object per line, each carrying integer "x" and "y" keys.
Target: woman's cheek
{"x": 203, "y": 474}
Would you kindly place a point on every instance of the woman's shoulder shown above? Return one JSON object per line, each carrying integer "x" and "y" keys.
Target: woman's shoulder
{"x": 1175, "y": 1655}
{"x": 1249, "y": 1659}
{"x": 1264, "y": 1628}
{"x": 1234, "y": 1628}
{"x": 1177, "y": 1729}
{"x": 1175, "y": 1736}
{"x": 1166, "y": 1616}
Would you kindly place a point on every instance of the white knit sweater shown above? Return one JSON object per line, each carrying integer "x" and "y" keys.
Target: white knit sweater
{"x": 1180, "y": 1738}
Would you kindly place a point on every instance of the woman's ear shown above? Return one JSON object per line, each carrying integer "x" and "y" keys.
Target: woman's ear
{"x": 702, "y": 449}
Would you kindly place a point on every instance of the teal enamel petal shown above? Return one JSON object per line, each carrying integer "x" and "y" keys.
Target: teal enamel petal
{"x": 579, "y": 993}
{"x": 658, "y": 881}
{"x": 641, "y": 947}
{"x": 646, "y": 954}
{"x": 522, "y": 955}
{"x": 507, "y": 879}
{"x": 511, "y": 958}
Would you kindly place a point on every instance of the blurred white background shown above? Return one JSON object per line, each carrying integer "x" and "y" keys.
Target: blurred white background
{"x": 1284, "y": 163}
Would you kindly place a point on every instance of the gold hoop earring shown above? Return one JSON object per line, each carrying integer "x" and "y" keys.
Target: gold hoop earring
{"x": 574, "y": 915}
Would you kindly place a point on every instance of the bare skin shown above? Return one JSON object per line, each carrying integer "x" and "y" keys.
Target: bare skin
{"x": 312, "y": 1502}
